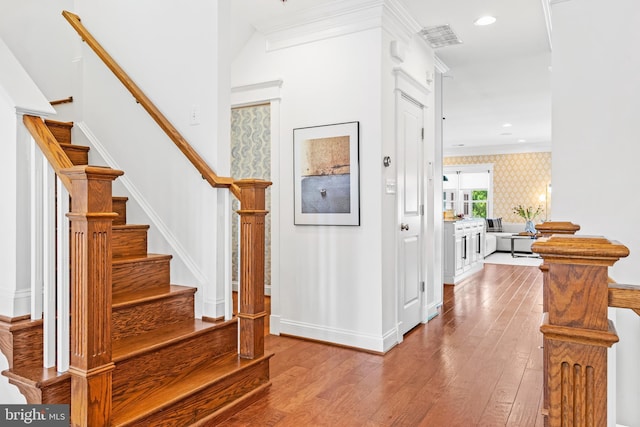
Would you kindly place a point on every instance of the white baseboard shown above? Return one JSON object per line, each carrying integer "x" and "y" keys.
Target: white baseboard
{"x": 344, "y": 337}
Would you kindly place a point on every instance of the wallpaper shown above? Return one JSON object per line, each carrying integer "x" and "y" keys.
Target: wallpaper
{"x": 251, "y": 158}
{"x": 518, "y": 179}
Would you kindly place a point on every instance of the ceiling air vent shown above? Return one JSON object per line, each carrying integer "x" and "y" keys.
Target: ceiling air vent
{"x": 440, "y": 36}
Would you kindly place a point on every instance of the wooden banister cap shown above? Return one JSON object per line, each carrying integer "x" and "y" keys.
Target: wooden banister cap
{"x": 570, "y": 249}
{"x": 96, "y": 172}
{"x": 252, "y": 183}
{"x": 557, "y": 227}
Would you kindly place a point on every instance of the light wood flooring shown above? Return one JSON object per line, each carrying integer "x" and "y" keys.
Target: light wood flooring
{"x": 479, "y": 363}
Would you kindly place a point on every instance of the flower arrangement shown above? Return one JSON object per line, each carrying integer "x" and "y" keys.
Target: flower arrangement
{"x": 527, "y": 213}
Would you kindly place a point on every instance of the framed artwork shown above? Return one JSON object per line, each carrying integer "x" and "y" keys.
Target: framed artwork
{"x": 326, "y": 175}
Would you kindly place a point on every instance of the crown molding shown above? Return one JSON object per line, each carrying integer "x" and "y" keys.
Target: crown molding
{"x": 440, "y": 66}
{"x": 337, "y": 18}
{"x": 486, "y": 150}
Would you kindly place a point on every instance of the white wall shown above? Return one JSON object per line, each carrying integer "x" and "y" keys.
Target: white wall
{"x": 335, "y": 283}
{"x": 330, "y": 285}
{"x": 596, "y": 105}
{"x": 179, "y": 70}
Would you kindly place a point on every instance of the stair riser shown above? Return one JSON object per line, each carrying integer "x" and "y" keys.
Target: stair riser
{"x": 61, "y": 131}
{"x": 147, "y": 371}
{"x": 56, "y": 393}
{"x": 78, "y": 155}
{"x": 119, "y": 206}
{"x": 210, "y": 399}
{"x": 129, "y": 242}
{"x": 23, "y": 347}
{"x": 144, "y": 274}
{"x": 143, "y": 317}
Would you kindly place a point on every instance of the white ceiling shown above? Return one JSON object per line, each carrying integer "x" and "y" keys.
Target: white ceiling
{"x": 499, "y": 74}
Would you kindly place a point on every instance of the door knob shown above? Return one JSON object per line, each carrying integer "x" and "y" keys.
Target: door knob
{"x": 404, "y": 227}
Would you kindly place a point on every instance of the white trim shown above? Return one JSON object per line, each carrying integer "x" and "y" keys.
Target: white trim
{"x": 546, "y": 11}
{"x": 410, "y": 86}
{"x": 440, "y": 65}
{"x": 337, "y": 18}
{"x": 155, "y": 219}
{"x": 552, "y": 2}
{"x": 488, "y": 150}
{"x": 379, "y": 343}
{"x": 242, "y": 96}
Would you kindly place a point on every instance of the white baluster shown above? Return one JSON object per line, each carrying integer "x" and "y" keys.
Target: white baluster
{"x": 49, "y": 264}
{"x": 63, "y": 278}
{"x": 36, "y": 232}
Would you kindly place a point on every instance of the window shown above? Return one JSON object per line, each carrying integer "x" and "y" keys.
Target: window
{"x": 468, "y": 190}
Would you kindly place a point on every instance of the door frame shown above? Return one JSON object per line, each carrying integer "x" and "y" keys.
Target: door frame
{"x": 268, "y": 92}
{"x": 409, "y": 87}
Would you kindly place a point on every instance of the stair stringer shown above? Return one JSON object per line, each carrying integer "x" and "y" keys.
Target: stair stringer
{"x": 207, "y": 303}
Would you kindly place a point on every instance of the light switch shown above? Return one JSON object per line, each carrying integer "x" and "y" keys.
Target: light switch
{"x": 390, "y": 187}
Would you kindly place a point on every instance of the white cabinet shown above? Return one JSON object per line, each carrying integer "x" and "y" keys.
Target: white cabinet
{"x": 463, "y": 249}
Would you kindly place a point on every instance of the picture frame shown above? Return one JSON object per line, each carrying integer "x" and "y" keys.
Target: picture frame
{"x": 327, "y": 174}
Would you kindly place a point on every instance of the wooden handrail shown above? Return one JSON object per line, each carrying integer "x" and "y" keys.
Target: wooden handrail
{"x": 624, "y": 296}
{"x": 49, "y": 146}
{"x": 62, "y": 101}
{"x": 182, "y": 144}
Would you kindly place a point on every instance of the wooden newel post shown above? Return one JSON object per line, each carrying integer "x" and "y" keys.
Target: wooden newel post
{"x": 575, "y": 326}
{"x": 91, "y": 364}
{"x": 252, "y": 311}
{"x": 546, "y": 229}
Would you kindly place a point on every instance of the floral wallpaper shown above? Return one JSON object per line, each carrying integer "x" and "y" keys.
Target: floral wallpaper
{"x": 251, "y": 158}
{"x": 518, "y": 179}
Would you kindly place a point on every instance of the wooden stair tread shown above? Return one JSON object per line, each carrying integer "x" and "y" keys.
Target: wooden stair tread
{"x": 40, "y": 377}
{"x": 120, "y": 198}
{"x": 58, "y": 123}
{"x": 138, "y": 258}
{"x": 137, "y": 407}
{"x": 67, "y": 145}
{"x": 163, "y": 336}
{"x": 130, "y": 227}
{"x": 141, "y": 295}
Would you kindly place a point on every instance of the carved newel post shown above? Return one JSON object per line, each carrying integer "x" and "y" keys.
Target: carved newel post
{"x": 575, "y": 326}
{"x": 252, "y": 231}
{"x": 91, "y": 364}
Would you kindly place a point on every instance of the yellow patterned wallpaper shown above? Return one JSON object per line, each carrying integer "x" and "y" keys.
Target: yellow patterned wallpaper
{"x": 518, "y": 179}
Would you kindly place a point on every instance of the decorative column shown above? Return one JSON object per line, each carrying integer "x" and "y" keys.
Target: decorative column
{"x": 252, "y": 311}
{"x": 91, "y": 364}
{"x": 547, "y": 229}
{"x": 576, "y": 329}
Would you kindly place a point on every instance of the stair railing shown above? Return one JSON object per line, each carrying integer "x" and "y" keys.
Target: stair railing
{"x": 250, "y": 193}
{"x": 91, "y": 216}
{"x": 576, "y": 330}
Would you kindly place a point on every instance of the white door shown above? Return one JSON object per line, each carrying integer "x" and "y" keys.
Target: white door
{"x": 410, "y": 136}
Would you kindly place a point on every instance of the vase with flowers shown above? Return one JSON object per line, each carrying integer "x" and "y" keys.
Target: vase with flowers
{"x": 528, "y": 214}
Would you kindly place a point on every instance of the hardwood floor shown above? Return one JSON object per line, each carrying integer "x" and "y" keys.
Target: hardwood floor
{"x": 478, "y": 363}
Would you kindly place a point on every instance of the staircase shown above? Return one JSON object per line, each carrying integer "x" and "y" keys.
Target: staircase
{"x": 171, "y": 369}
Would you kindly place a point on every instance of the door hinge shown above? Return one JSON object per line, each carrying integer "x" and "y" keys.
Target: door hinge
{"x": 422, "y": 134}
{"x": 422, "y": 210}
{"x": 422, "y": 286}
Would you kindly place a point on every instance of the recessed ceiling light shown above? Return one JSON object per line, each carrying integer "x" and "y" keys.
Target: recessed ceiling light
{"x": 522, "y": 140}
{"x": 507, "y": 125}
{"x": 485, "y": 20}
